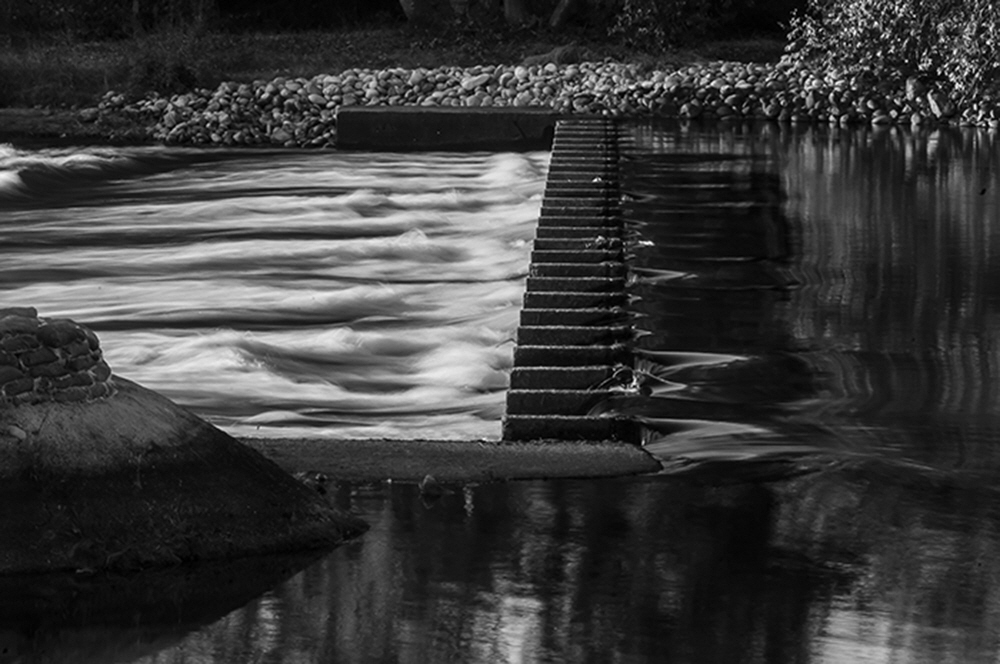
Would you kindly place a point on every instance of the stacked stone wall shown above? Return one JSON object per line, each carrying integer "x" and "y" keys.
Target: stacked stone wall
{"x": 49, "y": 360}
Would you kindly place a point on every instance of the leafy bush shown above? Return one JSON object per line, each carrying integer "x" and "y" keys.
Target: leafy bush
{"x": 954, "y": 44}
{"x": 657, "y": 25}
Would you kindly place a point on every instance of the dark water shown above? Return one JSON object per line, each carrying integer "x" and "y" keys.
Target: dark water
{"x": 829, "y": 291}
{"x": 818, "y": 352}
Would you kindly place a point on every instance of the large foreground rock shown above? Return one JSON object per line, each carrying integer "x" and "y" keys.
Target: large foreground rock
{"x": 98, "y": 472}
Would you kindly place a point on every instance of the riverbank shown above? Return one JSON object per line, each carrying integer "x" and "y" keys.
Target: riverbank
{"x": 302, "y": 112}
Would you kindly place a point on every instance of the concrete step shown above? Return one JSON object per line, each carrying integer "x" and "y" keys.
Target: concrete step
{"x": 570, "y": 218}
{"x": 597, "y": 174}
{"x": 555, "y": 402}
{"x": 564, "y": 378}
{"x": 572, "y": 335}
{"x": 574, "y": 317}
{"x": 576, "y": 284}
{"x": 580, "y": 255}
{"x": 573, "y": 300}
{"x": 605, "y": 269}
{"x": 575, "y": 245}
{"x": 570, "y": 356}
{"x": 590, "y": 233}
{"x": 587, "y": 202}
{"x": 579, "y": 169}
{"x": 568, "y": 427}
{"x": 577, "y": 189}
{"x": 565, "y": 208}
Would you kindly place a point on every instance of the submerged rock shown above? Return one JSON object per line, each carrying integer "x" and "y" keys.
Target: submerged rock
{"x": 98, "y": 472}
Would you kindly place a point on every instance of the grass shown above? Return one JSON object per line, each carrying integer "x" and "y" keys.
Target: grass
{"x": 61, "y": 72}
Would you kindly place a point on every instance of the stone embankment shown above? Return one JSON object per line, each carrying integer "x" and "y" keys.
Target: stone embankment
{"x": 49, "y": 359}
{"x": 303, "y": 112}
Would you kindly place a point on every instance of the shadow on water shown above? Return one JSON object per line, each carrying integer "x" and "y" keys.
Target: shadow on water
{"x": 99, "y": 618}
{"x": 834, "y": 566}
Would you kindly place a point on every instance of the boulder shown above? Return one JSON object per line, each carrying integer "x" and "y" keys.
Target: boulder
{"x": 97, "y": 472}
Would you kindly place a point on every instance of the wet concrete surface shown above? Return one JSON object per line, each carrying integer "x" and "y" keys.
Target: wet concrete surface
{"x": 454, "y": 460}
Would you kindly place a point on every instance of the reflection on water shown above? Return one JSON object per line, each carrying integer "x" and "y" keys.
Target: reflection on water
{"x": 831, "y": 567}
{"x": 836, "y": 288}
{"x": 284, "y": 292}
{"x": 818, "y": 336}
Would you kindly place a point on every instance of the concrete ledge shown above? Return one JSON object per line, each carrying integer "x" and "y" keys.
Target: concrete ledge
{"x": 436, "y": 128}
{"x": 608, "y": 269}
{"x": 559, "y": 378}
{"x": 579, "y": 316}
{"x": 584, "y": 451}
{"x": 573, "y": 300}
{"x": 593, "y": 234}
{"x": 572, "y": 335}
{"x": 609, "y": 246}
{"x": 570, "y": 356}
{"x": 576, "y": 284}
{"x": 556, "y": 402}
{"x": 583, "y": 255}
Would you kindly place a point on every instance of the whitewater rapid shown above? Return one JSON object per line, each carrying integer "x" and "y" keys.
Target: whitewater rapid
{"x": 283, "y": 293}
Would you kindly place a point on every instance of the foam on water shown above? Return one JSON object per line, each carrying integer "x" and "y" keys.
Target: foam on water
{"x": 288, "y": 293}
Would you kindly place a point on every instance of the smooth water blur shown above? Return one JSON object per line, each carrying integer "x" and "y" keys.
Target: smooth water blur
{"x": 284, "y": 293}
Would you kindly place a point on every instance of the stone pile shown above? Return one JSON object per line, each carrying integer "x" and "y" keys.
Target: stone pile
{"x": 49, "y": 360}
{"x": 301, "y": 112}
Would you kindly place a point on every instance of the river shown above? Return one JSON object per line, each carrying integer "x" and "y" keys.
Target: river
{"x": 818, "y": 319}
{"x": 284, "y": 293}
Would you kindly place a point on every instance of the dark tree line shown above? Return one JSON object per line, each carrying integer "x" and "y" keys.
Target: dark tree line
{"x": 660, "y": 20}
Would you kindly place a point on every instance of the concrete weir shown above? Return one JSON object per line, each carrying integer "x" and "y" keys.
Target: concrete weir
{"x": 573, "y": 341}
{"x": 421, "y": 128}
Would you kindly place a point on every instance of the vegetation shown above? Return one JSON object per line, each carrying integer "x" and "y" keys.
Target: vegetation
{"x": 69, "y": 52}
{"x": 953, "y": 45}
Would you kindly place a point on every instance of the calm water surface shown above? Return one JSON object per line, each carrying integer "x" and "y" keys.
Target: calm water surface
{"x": 818, "y": 353}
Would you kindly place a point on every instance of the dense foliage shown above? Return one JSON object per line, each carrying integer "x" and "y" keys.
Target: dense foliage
{"x": 951, "y": 44}
{"x": 662, "y": 24}
{"x": 651, "y": 24}
{"x": 103, "y": 19}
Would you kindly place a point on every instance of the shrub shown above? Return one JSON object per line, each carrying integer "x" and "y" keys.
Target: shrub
{"x": 657, "y": 25}
{"x": 954, "y": 44}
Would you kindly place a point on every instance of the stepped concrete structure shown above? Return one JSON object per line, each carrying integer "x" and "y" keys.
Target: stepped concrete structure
{"x": 573, "y": 342}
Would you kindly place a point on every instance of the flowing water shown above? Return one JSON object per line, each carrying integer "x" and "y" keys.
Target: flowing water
{"x": 818, "y": 354}
{"x": 284, "y": 293}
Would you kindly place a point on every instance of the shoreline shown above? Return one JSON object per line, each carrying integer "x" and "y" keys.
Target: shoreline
{"x": 303, "y": 112}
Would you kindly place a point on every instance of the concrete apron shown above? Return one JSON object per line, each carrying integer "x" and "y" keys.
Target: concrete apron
{"x": 122, "y": 478}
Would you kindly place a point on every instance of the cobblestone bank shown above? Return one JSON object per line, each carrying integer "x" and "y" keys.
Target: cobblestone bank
{"x": 49, "y": 359}
{"x": 302, "y": 112}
